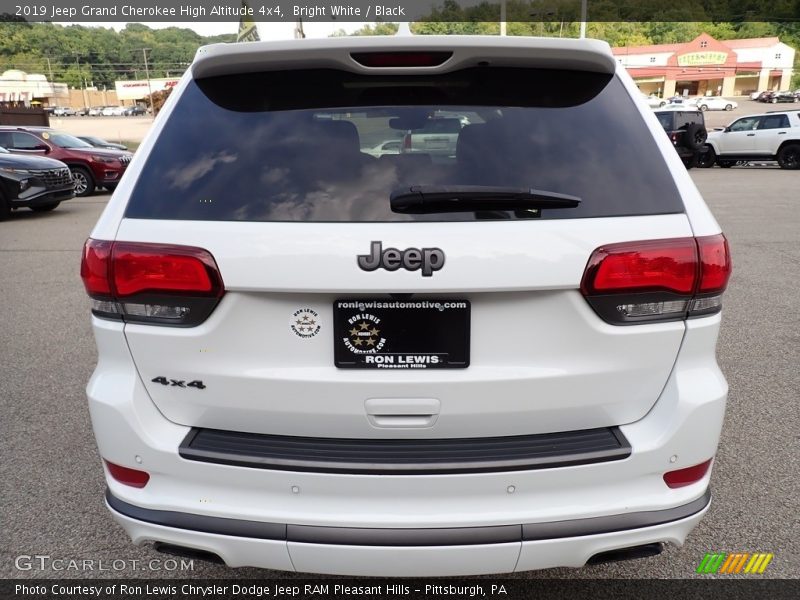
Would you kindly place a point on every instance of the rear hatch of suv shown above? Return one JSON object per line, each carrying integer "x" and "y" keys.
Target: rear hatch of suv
{"x": 454, "y": 322}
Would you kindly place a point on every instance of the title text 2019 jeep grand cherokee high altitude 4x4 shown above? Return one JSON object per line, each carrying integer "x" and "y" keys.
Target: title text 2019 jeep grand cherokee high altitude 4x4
{"x": 318, "y": 360}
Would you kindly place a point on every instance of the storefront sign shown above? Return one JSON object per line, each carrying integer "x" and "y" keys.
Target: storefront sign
{"x": 694, "y": 59}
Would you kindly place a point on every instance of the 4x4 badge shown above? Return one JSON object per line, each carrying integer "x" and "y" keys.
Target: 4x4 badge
{"x": 426, "y": 259}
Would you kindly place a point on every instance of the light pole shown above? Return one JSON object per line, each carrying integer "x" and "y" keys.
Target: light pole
{"x": 584, "y": 10}
{"x": 147, "y": 75}
{"x": 78, "y": 66}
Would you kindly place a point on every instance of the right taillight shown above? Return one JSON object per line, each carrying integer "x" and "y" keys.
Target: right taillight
{"x": 657, "y": 280}
{"x": 151, "y": 283}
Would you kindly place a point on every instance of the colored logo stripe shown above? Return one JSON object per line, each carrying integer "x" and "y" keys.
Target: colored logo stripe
{"x": 720, "y": 562}
{"x": 711, "y": 563}
{"x": 758, "y": 563}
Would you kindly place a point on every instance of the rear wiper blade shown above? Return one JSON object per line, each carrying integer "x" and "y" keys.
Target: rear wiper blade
{"x": 424, "y": 199}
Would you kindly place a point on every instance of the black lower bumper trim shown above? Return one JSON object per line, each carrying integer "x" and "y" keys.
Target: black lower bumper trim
{"x": 44, "y": 198}
{"x": 364, "y": 536}
{"x": 405, "y": 456}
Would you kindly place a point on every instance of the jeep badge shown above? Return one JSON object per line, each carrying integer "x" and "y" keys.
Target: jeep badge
{"x": 411, "y": 259}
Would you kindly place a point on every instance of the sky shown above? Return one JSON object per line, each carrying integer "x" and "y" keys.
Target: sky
{"x": 267, "y": 31}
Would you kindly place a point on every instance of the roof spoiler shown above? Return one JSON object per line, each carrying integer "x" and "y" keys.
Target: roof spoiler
{"x": 467, "y": 51}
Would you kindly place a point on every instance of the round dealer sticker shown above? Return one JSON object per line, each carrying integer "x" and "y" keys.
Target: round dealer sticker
{"x": 364, "y": 336}
{"x": 305, "y": 323}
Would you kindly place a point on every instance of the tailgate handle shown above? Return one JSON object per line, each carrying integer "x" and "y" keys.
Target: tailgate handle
{"x": 402, "y": 413}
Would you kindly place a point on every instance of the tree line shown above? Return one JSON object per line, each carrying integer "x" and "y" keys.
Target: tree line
{"x": 80, "y": 56}
{"x": 84, "y": 56}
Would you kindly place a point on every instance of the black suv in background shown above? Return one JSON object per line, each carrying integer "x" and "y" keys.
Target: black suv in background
{"x": 687, "y": 131}
{"x": 33, "y": 182}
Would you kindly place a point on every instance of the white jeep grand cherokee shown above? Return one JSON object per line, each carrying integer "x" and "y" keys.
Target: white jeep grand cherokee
{"x": 314, "y": 359}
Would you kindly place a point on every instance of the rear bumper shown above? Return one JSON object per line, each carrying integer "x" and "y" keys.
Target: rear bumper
{"x": 681, "y": 429}
{"x": 410, "y": 551}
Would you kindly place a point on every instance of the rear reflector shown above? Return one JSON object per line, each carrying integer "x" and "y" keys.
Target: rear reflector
{"x": 687, "y": 476}
{"x": 657, "y": 280}
{"x": 400, "y": 59}
{"x": 151, "y": 283}
{"x": 128, "y": 476}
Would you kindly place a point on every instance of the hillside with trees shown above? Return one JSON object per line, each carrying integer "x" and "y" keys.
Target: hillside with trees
{"x": 98, "y": 56}
{"x": 79, "y": 55}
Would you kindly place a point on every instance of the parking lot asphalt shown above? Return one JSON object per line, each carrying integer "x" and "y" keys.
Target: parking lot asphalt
{"x": 51, "y": 481}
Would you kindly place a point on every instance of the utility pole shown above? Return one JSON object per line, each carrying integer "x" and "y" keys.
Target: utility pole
{"x": 80, "y": 76}
{"x": 584, "y": 10}
{"x": 50, "y": 69}
{"x": 299, "y": 34}
{"x": 149, "y": 87}
{"x": 503, "y": 17}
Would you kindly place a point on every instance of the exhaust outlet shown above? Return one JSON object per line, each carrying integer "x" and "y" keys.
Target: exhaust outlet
{"x": 184, "y": 552}
{"x": 634, "y": 552}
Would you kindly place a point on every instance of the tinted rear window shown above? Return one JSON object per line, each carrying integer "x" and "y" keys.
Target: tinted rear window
{"x": 299, "y": 146}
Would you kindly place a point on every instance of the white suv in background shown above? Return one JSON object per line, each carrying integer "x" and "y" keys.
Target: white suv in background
{"x": 771, "y": 136}
{"x": 493, "y": 359}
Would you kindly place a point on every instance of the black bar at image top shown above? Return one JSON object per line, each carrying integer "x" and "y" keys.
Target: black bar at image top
{"x": 453, "y": 11}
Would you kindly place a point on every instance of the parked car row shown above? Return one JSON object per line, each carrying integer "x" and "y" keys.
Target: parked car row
{"x": 89, "y": 164}
{"x": 97, "y": 111}
{"x": 773, "y": 136}
{"x": 702, "y": 103}
{"x": 773, "y": 97}
{"x": 97, "y": 142}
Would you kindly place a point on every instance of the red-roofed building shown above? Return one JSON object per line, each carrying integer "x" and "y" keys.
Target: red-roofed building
{"x": 706, "y": 66}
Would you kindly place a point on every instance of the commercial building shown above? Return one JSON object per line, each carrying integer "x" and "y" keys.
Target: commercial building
{"x": 706, "y": 66}
{"x": 26, "y": 88}
{"x": 132, "y": 92}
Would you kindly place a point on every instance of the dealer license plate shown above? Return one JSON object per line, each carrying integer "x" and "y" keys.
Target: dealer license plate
{"x": 389, "y": 334}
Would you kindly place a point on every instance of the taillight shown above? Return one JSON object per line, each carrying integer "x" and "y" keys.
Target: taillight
{"x": 687, "y": 476}
{"x": 94, "y": 268}
{"x": 132, "y": 477}
{"x": 151, "y": 283}
{"x": 657, "y": 280}
{"x": 400, "y": 59}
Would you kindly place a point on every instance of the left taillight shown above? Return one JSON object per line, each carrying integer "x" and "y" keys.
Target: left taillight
{"x": 158, "y": 284}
